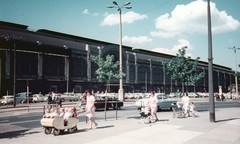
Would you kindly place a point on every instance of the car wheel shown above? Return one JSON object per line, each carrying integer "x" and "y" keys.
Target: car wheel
{"x": 171, "y": 108}
{"x": 114, "y": 106}
{"x": 56, "y": 132}
{"x": 47, "y": 130}
{"x": 63, "y": 100}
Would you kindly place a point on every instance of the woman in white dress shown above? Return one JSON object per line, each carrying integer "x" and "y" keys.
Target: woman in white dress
{"x": 90, "y": 109}
{"x": 153, "y": 104}
{"x": 185, "y": 101}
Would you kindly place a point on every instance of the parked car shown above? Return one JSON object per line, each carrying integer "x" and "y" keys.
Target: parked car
{"x": 38, "y": 98}
{"x": 171, "y": 95}
{"x": 192, "y": 94}
{"x": 129, "y": 96}
{"x": 111, "y": 102}
{"x": 45, "y": 97}
{"x": 7, "y": 100}
{"x": 163, "y": 102}
{"x": 69, "y": 97}
{"x": 23, "y": 97}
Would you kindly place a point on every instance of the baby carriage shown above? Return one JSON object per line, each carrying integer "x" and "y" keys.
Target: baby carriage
{"x": 177, "y": 111}
{"x": 146, "y": 116}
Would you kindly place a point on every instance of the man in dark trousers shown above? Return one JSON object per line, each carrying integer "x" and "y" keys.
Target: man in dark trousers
{"x": 49, "y": 98}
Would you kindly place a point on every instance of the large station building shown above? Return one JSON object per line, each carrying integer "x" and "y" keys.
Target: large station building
{"x": 48, "y": 61}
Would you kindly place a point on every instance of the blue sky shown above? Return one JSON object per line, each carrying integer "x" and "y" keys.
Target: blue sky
{"x": 158, "y": 25}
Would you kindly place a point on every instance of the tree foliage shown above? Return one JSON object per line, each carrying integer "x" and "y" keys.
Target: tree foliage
{"x": 107, "y": 68}
{"x": 183, "y": 68}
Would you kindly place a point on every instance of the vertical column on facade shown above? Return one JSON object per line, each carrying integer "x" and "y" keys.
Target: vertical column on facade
{"x": 99, "y": 51}
{"x": 203, "y": 80}
{"x": 127, "y": 68}
{"x": 67, "y": 72}
{"x": 136, "y": 68}
{"x": 7, "y": 64}
{"x": 164, "y": 79}
{"x": 224, "y": 82}
{"x": 88, "y": 62}
{"x": 150, "y": 61}
{"x": 230, "y": 78}
{"x": 40, "y": 66}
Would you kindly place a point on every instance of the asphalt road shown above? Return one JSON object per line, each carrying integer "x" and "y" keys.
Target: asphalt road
{"x": 32, "y": 119}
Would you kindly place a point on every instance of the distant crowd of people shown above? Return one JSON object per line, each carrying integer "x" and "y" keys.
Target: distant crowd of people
{"x": 54, "y": 99}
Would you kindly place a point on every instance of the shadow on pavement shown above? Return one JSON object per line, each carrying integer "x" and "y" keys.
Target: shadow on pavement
{"x": 16, "y": 134}
{"x": 103, "y": 127}
{"x": 226, "y": 119}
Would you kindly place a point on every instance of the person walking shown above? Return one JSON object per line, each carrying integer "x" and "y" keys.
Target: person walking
{"x": 153, "y": 104}
{"x": 49, "y": 98}
{"x": 90, "y": 109}
{"x": 185, "y": 101}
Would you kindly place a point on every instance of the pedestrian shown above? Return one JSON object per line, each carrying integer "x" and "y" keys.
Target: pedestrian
{"x": 59, "y": 100}
{"x": 53, "y": 97}
{"x": 191, "y": 109}
{"x": 153, "y": 104}
{"x": 185, "y": 101}
{"x": 90, "y": 109}
{"x": 49, "y": 98}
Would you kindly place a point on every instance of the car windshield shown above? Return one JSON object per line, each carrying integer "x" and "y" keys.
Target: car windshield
{"x": 161, "y": 97}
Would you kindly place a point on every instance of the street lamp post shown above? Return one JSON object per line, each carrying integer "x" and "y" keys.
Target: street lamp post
{"x": 120, "y": 91}
{"x": 210, "y": 67}
{"x": 235, "y": 61}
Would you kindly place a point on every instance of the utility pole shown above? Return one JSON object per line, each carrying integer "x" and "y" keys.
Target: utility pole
{"x": 210, "y": 68}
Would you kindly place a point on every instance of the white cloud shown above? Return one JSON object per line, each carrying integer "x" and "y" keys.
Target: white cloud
{"x": 175, "y": 48}
{"x": 95, "y": 14}
{"x": 192, "y": 18}
{"x": 136, "y": 40}
{"x": 128, "y": 17}
{"x": 85, "y": 11}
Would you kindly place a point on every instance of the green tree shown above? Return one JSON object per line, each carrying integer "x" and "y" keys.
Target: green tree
{"x": 183, "y": 68}
{"x": 107, "y": 69}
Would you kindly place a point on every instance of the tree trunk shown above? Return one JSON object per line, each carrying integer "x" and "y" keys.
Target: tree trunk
{"x": 108, "y": 86}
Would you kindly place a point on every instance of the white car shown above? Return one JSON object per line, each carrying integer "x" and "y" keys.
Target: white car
{"x": 192, "y": 94}
{"x": 69, "y": 97}
{"x": 163, "y": 102}
{"x": 38, "y": 98}
{"x": 7, "y": 99}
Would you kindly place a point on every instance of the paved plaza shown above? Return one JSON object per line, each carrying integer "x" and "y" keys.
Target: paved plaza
{"x": 127, "y": 130}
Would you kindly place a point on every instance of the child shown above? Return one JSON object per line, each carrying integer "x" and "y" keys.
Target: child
{"x": 47, "y": 113}
{"x": 192, "y": 108}
{"x": 54, "y": 113}
{"x": 74, "y": 112}
{"x": 61, "y": 112}
{"x": 67, "y": 115}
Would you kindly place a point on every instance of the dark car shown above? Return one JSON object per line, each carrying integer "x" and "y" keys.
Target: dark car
{"x": 111, "y": 102}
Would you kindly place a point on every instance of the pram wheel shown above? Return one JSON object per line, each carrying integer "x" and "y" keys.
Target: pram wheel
{"x": 174, "y": 115}
{"x": 56, "y": 132}
{"x": 47, "y": 130}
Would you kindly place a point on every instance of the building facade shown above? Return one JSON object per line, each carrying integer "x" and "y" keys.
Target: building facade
{"x": 48, "y": 61}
